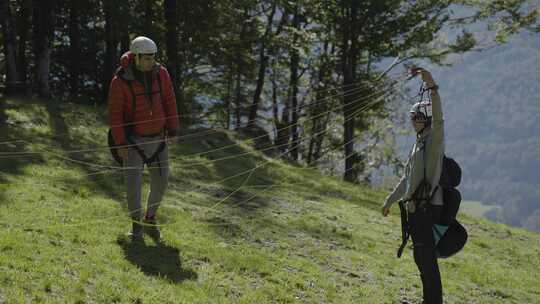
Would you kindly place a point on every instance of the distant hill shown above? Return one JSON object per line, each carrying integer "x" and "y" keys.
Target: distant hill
{"x": 492, "y": 111}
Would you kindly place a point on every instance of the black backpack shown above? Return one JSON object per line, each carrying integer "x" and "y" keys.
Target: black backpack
{"x": 450, "y": 236}
{"x": 451, "y": 173}
{"x": 454, "y": 236}
{"x": 451, "y": 241}
{"x": 450, "y": 179}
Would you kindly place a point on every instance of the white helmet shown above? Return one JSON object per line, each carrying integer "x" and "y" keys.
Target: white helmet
{"x": 143, "y": 45}
{"x": 422, "y": 110}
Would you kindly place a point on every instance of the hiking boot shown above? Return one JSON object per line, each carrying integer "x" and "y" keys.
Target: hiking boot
{"x": 136, "y": 233}
{"x": 151, "y": 228}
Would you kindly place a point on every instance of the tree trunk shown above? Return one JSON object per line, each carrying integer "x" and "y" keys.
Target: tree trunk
{"x": 75, "y": 47}
{"x": 258, "y": 89}
{"x": 228, "y": 101}
{"x": 10, "y": 53}
{"x": 320, "y": 133}
{"x": 171, "y": 24}
{"x": 263, "y": 62}
{"x": 148, "y": 20}
{"x": 44, "y": 35}
{"x": 25, "y": 17}
{"x": 295, "y": 60}
{"x": 275, "y": 110}
{"x": 317, "y": 154}
{"x": 318, "y": 123}
{"x": 111, "y": 45}
{"x": 294, "y": 106}
{"x": 123, "y": 24}
{"x": 238, "y": 98}
{"x": 124, "y": 42}
{"x": 348, "y": 125}
{"x": 281, "y": 125}
{"x": 349, "y": 64}
{"x": 238, "y": 85}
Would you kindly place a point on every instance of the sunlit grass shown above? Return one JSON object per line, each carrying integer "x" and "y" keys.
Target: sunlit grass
{"x": 306, "y": 239}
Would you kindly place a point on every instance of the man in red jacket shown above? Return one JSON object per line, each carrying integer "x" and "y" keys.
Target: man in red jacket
{"x": 142, "y": 113}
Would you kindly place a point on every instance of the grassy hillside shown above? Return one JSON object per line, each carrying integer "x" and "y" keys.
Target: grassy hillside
{"x": 476, "y": 209}
{"x": 289, "y": 235}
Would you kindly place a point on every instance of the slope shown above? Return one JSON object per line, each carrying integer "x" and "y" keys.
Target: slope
{"x": 289, "y": 235}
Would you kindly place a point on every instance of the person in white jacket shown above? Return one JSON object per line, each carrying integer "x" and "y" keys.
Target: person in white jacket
{"x": 419, "y": 186}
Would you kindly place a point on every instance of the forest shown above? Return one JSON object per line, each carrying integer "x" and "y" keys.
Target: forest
{"x": 315, "y": 79}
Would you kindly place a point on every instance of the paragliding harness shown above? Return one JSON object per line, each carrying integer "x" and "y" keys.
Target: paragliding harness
{"x": 449, "y": 235}
{"x": 128, "y": 130}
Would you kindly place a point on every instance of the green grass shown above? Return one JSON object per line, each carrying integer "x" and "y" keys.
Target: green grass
{"x": 475, "y": 208}
{"x": 307, "y": 239}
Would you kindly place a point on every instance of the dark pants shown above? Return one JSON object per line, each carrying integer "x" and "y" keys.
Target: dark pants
{"x": 424, "y": 252}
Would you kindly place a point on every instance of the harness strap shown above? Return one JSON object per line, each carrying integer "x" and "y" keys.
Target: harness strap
{"x": 159, "y": 85}
{"x": 421, "y": 202}
{"x": 146, "y": 160}
{"x": 155, "y": 156}
{"x": 419, "y": 194}
{"x": 133, "y": 98}
{"x": 405, "y": 228}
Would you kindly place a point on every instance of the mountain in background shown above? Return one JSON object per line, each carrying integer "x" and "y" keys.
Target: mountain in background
{"x": 492, "y": 114}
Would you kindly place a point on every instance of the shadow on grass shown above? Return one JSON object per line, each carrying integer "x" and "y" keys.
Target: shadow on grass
{"x": 229, "y": 172}
{"x": 340, "y": 192}
{"x": 61, "y": 133}
{"x": 224, "y": 227}
{"x": 160, "y": 260}
{"x": 14, "y": 132}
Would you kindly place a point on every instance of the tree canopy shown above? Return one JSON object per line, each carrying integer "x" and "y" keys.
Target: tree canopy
{"x": 309, "y": 73}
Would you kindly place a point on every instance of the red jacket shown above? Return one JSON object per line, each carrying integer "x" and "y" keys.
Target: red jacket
{"x": 149, "y": 117}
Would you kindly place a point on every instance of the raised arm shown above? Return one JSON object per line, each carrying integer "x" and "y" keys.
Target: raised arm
{"x": 437, "y": 120}
{"x": 436, "y": 148}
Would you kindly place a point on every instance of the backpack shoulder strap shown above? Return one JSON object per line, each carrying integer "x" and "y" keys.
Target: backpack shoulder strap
{"x": 158, "y": 76}
{"x": 133, "y": 97}
{"x": 422, "y": 193}
{"x": 405, "y": 229}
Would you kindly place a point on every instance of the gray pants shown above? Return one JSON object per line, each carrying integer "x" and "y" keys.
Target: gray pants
{"x": 159, "y": 175}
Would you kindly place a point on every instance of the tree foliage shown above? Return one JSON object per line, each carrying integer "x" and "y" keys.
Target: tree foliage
{"x": 265, "y": 65}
